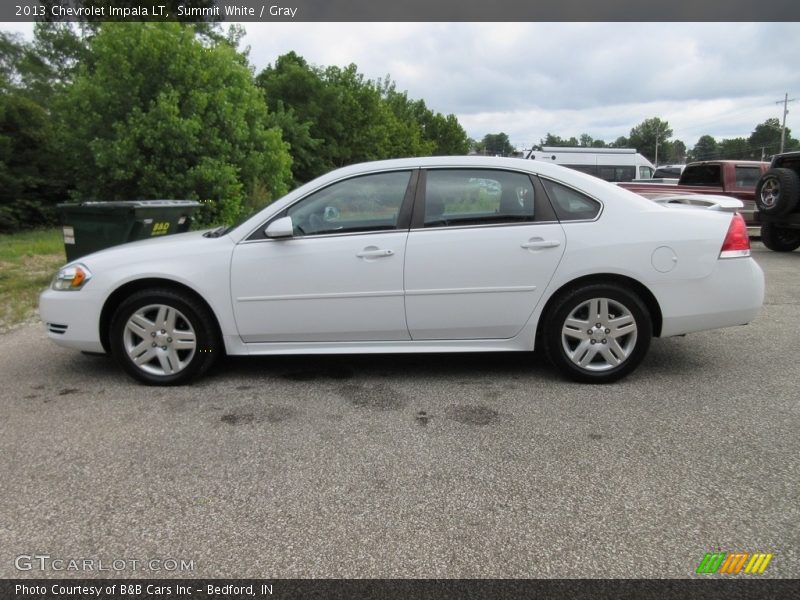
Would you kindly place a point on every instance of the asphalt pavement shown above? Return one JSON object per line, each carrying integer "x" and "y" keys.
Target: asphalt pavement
{"x": 482, "y": 465}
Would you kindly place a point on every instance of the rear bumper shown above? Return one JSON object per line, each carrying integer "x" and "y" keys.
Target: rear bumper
{"x": 732, "y": 295}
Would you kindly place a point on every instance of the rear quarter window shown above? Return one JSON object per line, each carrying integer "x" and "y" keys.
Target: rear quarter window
{"x": 570, "y": 204}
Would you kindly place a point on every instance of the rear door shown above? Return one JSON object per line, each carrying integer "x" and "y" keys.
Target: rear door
{"x": 483, "y": 246}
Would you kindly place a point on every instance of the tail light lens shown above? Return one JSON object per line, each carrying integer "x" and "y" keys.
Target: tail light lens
{"x": 737, "y": 242}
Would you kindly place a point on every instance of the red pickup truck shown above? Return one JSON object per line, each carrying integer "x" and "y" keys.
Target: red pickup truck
{"x": 737, "y": 178}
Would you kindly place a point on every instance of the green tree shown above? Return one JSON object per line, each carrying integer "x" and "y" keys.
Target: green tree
{"x": 766, "y": 137}
{"x": 706, "y": 148}
{"x": 555, "y": 140}
{"x": 737, "y": 149}
{"x": 158, "y": 114}
{"x": 649, "y": 133}
{"x": 497, "y": 144}
{"x": 30, "y": 180}
{"x": 620, "y": 142}
{"x": 349, "y": 118}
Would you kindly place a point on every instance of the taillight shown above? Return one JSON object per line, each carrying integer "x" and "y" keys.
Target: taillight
{"x": 737, "y": 242}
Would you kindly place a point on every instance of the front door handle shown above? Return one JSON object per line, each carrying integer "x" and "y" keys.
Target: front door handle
{"x": 537, "y": 243}
{"x": 373, "y": 252}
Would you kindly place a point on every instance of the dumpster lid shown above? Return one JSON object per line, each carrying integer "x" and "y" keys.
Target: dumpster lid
{"x": 131, "y": 204}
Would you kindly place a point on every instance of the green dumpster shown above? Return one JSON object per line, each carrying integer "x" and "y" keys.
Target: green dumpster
{"x": 92, "y": 226}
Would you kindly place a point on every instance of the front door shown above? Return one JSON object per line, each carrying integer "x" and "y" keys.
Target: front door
{"x": 338, "y": 278}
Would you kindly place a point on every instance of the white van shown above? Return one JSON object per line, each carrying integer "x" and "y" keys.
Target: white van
{"x": 611, "y": 164}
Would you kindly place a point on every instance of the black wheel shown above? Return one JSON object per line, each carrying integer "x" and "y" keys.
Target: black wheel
{"x": 777, "y": 192}
{"x": 780, "y": 239}
{"x": 164, "y": 337}
{"x": 597, "y": 333}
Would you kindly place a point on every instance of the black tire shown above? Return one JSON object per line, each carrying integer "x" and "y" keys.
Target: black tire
{"x": 627, "y": 345}
{"x": 777, "y": 192}
{"x": 168, "y": 358}
{"x": 780, "y": 239}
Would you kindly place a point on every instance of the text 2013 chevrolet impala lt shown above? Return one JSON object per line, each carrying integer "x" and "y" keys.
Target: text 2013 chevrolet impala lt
{"x": 454, "y": 254}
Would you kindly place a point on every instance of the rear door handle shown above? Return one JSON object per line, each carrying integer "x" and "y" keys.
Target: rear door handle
{"x": 540, "y": 243}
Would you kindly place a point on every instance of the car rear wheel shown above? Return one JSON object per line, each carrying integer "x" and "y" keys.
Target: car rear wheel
{"x": 597, "y": 333}
{"x": 777, "y": 192}
{"x": 780, "y": 239}
{"x": 164, "y": 337}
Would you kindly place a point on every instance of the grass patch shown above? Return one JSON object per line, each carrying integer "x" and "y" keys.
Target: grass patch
{"x": 28, "y": 261}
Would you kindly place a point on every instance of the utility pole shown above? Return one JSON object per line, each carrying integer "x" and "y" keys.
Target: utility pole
{"x": 785, "y": 112}
{"x": 656, "y": 149}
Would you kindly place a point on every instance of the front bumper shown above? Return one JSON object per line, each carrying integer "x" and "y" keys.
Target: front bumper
{"x": 72, "y": 319}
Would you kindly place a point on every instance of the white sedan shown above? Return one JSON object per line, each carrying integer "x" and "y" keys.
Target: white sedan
{"x": 452, "y": 254}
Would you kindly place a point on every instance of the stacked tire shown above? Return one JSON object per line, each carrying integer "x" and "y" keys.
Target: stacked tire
{"x": 778, "y": 195}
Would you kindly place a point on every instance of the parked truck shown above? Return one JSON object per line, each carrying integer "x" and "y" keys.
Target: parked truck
{"x": 737, "y": 178}
{"x": 778, "y": 201}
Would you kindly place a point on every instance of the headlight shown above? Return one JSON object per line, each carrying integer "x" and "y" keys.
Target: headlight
{"x": 71, "y": 278}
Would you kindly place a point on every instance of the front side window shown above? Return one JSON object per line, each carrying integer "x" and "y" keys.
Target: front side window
{"x": 367, "y": 203}
{"x": 645, "y": 173}
{"x": 456, "y": 197}
{"x": 569, "y": 204}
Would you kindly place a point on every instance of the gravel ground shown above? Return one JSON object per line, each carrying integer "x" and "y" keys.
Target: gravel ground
{"x": 485, "y": 465}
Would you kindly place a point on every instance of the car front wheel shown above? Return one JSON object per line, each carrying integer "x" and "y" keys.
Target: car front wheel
{"x": 597, "y": 333}
{"x": 163, "y": 337}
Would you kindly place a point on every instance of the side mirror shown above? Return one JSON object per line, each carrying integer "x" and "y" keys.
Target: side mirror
{"x": 280, "y": 228}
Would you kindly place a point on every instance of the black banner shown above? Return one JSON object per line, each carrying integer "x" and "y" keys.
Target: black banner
{"x": 408, "y": 10}
{"x": 406, "y": 589}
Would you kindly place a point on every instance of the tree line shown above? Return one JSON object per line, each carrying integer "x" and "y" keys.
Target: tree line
{"x": 111, "y": 111}
{"x": 655, "y": 133}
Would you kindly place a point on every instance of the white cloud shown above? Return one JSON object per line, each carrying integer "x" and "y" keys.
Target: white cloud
{"x": 528, "y": 79}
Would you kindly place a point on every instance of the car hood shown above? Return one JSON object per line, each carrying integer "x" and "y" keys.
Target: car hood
{"x": 157, "y": 249}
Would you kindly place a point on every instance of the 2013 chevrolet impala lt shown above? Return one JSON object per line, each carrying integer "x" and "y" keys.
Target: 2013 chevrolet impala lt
{"x": 452, "y": 254}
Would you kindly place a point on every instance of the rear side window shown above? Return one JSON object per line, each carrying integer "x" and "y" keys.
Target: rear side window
{"x": 457, "y": 197}
{"x": 569, "y": 204}
{"x": 747, "y": 176}
{"x": 616, "y": 173}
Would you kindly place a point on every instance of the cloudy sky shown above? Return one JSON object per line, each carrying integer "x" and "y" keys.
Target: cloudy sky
{"x": 528, "y": 79}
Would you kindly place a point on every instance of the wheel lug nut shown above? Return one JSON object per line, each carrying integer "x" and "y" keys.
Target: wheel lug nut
{"x": 169, "y": 340}
{"x": 152, "y": 334}
{"x": 604, "y": 341}
{"x": 608, "y": 331}
{"x": 598, "y": 325}
{"x": 163, "y": 347}
{"x": 154, "y": 344}
{"x": 594, "y": 342}
{"x": 163, "y": 331}
{"x": 590, "y": 332}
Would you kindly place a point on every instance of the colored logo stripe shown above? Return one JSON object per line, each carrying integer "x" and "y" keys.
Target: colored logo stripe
{"x": 734, "y": 562}
{"x": 758, "y": 563}
{"x": 711, "y": 563}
